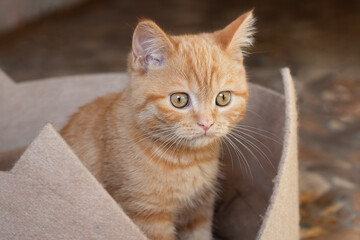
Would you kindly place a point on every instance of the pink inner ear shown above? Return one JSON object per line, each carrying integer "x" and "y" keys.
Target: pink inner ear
{"x": 141, "y": 43}
{"x": 146, "y": 50}
{"x": 150, "y": 44}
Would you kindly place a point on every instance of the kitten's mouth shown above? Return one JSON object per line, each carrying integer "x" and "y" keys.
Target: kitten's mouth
{"x": 202, "y": 136}
{"x": 205, "y": 135}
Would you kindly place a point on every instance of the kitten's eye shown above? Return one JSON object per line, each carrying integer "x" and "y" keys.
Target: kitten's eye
{"x": 223, "y": 98}
{"x": 179, "y": 100}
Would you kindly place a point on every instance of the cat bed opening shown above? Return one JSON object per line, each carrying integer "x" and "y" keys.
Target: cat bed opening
{"x": 49, "y": 194}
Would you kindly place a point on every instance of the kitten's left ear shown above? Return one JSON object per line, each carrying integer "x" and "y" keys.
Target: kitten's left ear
{"x": 237, "y": 35}
{"x": 151, "y": 45}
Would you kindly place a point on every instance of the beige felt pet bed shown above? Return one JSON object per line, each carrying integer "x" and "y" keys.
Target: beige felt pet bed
{"x": 49, "y": 194}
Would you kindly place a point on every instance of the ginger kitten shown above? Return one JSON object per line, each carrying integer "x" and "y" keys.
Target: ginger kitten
{"x": 155, "y": 146}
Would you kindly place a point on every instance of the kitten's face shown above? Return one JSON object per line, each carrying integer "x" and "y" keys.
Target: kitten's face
{"x": 192, "y": 93}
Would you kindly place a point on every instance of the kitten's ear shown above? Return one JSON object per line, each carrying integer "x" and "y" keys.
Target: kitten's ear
{"x": 237, "y": 35}
{"x": 150, "y": 45}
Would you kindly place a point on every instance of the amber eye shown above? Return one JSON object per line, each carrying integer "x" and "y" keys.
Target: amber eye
{"x": 179, "y": 100}
{"x": 223, "y": 98}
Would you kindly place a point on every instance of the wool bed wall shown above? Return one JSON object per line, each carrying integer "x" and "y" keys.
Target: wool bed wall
{"x": 46, "y": 192}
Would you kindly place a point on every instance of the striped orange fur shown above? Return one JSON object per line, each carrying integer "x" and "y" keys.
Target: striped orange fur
{"x": 158, "y": 161}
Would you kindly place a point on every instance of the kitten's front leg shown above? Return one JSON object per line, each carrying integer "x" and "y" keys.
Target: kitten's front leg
{"x": 196, "y": 223}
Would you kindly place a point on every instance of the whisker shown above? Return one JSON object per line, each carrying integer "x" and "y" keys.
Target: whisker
{"x": 155, "y": 133}
{"x": 256, "y": 114}
{"x": 259, "y": 150}
{"x": 258, "y": 129}
{"x": 166, "y": 143}
{"x": 274, "y": 138}
{"x": 157, "y": 140}
{"x": 179, "y": 146}
{"x": 147, "y": 135}
{"x": 237, "y": 131}
{"x": 248, "y": 149}
{"x": 240, "y": 155}
{"x": 231, "y": 158}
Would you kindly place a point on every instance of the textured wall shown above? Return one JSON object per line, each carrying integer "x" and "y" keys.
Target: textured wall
{"x": 15, "y": 12}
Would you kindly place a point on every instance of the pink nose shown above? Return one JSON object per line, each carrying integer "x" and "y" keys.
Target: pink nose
{"x": 205, "y": 125}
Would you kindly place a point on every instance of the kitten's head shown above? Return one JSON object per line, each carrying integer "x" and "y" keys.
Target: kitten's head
{"x": 189, "y": 87}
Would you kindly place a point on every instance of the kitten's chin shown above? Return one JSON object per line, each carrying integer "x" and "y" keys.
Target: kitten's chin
{"x": 202, "y": 141}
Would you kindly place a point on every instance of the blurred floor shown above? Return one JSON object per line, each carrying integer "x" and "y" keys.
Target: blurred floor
{"x": 318, "y": 40}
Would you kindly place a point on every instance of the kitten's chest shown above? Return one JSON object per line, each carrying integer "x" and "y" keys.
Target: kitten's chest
{"x": 187, "y": 183}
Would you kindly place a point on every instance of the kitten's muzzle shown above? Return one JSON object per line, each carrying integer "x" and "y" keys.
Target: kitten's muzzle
{"x": 205, "y": 125}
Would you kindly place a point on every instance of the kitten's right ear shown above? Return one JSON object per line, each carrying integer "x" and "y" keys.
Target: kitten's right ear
{"x": 237, "y": 35}
{"x": 150, "y": 45}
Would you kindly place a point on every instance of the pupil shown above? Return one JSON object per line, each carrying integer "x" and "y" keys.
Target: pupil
{"x": 179, "y": 99}
{"x": 223, "y": 96}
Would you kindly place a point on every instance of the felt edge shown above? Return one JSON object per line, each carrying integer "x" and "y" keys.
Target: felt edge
{"x": 47, "y": 130}
{"x": 290, "y": 141}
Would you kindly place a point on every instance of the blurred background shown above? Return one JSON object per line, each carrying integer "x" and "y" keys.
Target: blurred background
{"x": 319, "y": 41}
